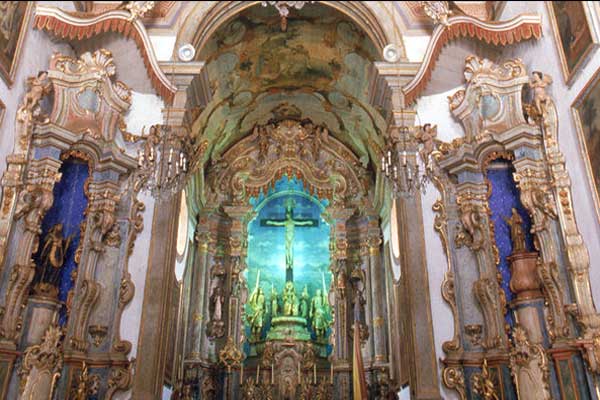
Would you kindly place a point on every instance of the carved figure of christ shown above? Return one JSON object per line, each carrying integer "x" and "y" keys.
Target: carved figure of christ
{"x": 289, "y": 223}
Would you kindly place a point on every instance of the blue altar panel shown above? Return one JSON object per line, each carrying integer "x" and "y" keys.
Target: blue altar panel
{"x": 266, "y": 244}
{"x": 70, "y": 202}
{"x": 503, "y": 198}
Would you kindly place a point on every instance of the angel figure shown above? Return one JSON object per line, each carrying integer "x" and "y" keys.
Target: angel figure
{"x": 426, "y": 135}
{"x": 539, "y": 82}
{"x": 53, "y": 254}
{"x": 38, "y": 87}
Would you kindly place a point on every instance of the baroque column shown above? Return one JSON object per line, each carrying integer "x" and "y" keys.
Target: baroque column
{"x": 151, "y": 352}
{"x": 423, "y": 381}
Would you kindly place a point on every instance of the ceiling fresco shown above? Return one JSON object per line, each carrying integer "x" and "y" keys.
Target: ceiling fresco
{"x": 317, "y": 69}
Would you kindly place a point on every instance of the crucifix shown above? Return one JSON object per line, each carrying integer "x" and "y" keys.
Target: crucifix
{"x": 289, "y": 223}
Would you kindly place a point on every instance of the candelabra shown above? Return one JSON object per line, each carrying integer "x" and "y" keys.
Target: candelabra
{"x": 402, "y": 164}
{"x": 163, "y": 162}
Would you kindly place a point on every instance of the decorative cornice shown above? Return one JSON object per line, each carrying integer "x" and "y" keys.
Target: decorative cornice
{"x": 77, "y": 26}
{"x": 520, "y": 28}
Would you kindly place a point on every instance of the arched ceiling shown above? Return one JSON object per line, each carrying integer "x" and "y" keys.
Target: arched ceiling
{"x": 317, "y": 69}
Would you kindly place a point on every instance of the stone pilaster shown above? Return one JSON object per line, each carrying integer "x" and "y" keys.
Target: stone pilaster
{"x": 35, "y": 200}
{"x": 154, "y": 332}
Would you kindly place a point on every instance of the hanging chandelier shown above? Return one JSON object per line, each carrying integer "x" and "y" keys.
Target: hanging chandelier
{"x": 283, "y": 7}
{"x": 163, "y": 163}
{"x": 403, "y": 165}
{"x": 164, "y": 160}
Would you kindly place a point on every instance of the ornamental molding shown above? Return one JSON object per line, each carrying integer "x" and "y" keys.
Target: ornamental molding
{"x": 522, "y": 27}
{"x": 69, "y": 26}
{"x": 327, "y": 167}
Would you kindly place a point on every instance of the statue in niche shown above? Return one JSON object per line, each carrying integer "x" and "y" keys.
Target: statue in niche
{"x": 539, "y": 82}
{"x": 256, "y": 317}
{"x": 38, "y": 87}
{"x": 304, "y": 299}
{"x": 53, "y": 255}
{"x": 516, "y": 232}
{"x": 290, "y": 300}
{"x": 318, "y": 314}
{"x": 236, "y": 278}
{"x": 274, "y": 303}
{"x": 217, "y": 299}
{"x": 340, "y": 279}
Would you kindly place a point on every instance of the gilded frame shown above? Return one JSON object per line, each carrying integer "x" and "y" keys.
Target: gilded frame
{"x": 9, "y": 74}
{"x": 569, "y": 74}
{"x": 576, "y": 108}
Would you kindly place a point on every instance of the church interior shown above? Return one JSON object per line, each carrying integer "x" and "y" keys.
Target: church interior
{"x": 281, "y": 200}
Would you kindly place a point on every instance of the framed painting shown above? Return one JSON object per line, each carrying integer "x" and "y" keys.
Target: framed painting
{"x": 14, "y": 19}
{"x": 586, "y": 114}
{"x": 573, "y": 34}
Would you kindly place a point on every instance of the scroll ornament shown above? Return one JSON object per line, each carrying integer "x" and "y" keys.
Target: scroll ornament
{"x": 472, "y": 217}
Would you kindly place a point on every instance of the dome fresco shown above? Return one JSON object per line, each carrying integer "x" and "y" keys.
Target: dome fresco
{"x": 318, "y": 69}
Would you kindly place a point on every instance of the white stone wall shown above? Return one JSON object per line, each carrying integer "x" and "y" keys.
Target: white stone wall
{"x": 434, "y": 109}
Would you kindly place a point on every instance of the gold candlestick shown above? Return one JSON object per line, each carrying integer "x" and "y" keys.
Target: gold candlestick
{"x": 242, "y": 373}
{"x": 272, "y": 373}
{"x": 331, "y": 373}
{"x": 315, "y": 373}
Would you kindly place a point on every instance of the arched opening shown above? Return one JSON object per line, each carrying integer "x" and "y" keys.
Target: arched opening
{"x": 289, "y": 255}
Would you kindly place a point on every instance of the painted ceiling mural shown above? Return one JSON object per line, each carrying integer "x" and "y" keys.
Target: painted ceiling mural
{"x": 318, "y": 69}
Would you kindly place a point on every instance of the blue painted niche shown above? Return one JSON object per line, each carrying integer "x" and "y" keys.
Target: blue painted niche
{"x": 70, "y": 203}
{"x": 504, "y": 196}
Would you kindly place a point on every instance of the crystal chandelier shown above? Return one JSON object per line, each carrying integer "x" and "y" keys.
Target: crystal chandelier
{"x": 163, "y": 163}
{"x": 402, "y": 165}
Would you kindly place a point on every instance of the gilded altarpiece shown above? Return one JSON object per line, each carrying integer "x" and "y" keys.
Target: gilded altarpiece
{"x": 70, "y": 218}
{"x": 232, "y": 340}
{"x": 517, "y": 279}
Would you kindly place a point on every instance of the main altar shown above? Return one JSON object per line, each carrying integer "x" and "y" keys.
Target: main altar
{"x": 288, "y": 313}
